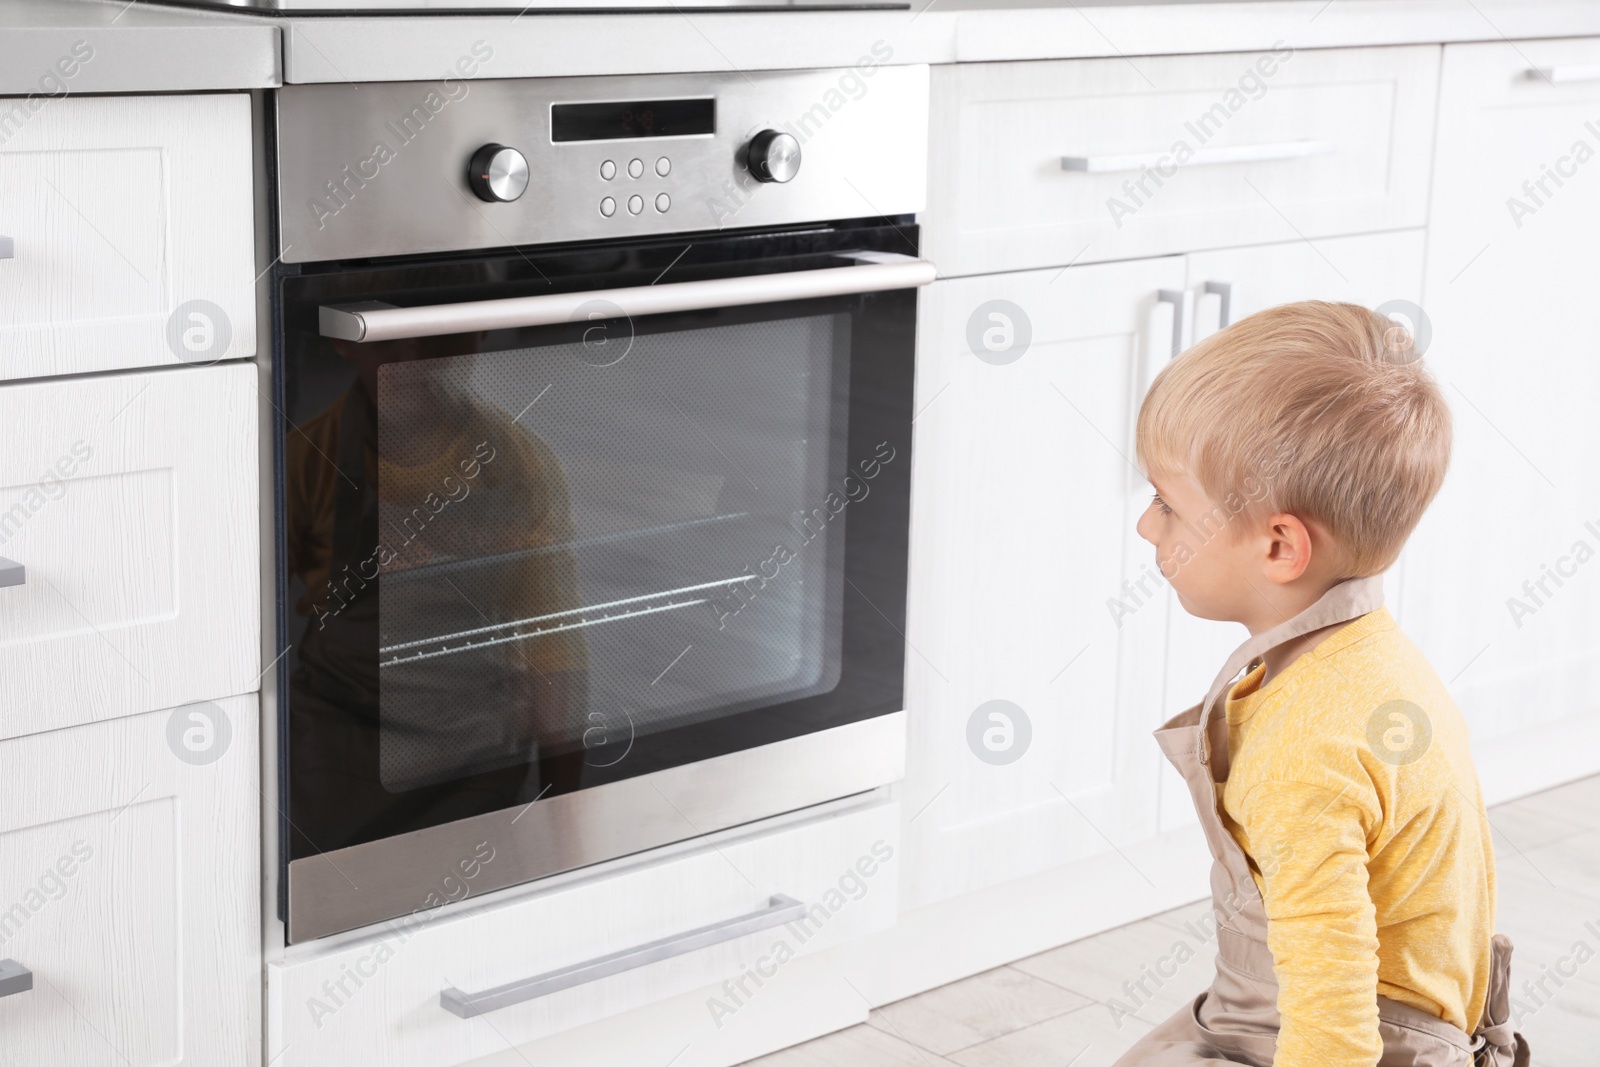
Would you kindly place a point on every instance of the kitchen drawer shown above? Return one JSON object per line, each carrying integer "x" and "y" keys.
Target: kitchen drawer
{"x": 377, "y": 999}
{"x": 129, "y": 883}
{"x": 131, "y": 503}
{"x": 130, "y": 224}
{"x": 1277, "y": 146}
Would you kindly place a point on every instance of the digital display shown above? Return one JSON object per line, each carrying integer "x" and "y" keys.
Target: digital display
{"x": 633, "y": 118}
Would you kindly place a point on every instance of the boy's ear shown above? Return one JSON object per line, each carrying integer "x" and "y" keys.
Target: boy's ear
{"x": 1288, "y": 548}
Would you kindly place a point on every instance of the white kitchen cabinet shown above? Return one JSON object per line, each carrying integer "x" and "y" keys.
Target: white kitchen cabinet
{"x": 1174, "y": 153}
{"x": 131, "y": 502}
{"x": 1502, "y": 581}
{"x": 130, "y": 221}
{"x": 1024, "y": 498}
{"x": 129, "y": 882}
{"x": 376, "y": 997}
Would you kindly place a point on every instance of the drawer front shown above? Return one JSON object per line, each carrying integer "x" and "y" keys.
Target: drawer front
{"x": 377, "y": 999}
{"x": 128, "y": 879}
{"x": 129, "y": 221}
{"x": 130, "y": 503}
{"x": 1175, "y": 153}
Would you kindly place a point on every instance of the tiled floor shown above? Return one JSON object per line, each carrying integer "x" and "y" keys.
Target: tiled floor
{"x": 1067, "y": 1005}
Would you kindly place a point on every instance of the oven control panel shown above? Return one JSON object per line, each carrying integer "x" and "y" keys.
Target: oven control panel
{"x": 405, "y": 168}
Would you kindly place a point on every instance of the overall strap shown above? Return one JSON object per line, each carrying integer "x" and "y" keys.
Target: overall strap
{"x": 1348, "y": 600}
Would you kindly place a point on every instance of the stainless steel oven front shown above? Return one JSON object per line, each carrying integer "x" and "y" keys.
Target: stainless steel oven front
{"x": 593, "y": 459}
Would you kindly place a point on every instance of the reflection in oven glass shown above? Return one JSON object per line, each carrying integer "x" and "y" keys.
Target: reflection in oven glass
{"x": 513, "y": 555}
{"x": 477, "y": 656}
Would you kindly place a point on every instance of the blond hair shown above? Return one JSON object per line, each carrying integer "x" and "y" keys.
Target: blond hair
{"x": 1322, "y": 411}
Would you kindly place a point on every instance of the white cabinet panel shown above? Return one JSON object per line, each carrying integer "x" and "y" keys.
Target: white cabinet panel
{"x": 1175, "y": 153}
{"x": 1371, "y": 269}
{"x": 1023, "y": 506}
{"x": 376, "y": 999}
{"x": 131, "y": 502}
{"x": 121, "y": 212}
{"x": 129, "y": 883}
{"x": 1502, "y": 587}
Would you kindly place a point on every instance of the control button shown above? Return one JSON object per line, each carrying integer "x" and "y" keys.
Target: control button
{"x": 635, "y": 167}
{"x": 773, "y": 156}
{"x": 663, "y": 166}
{"x": 497, "y": 173}
{"x": 663, "y": 201}
{"x": 608, "y": 170}
{"x": 635, "y": 204}
{"x": 608, "y": 207}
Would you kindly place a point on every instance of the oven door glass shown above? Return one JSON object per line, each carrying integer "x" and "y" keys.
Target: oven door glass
{"x": 524, "y": 562}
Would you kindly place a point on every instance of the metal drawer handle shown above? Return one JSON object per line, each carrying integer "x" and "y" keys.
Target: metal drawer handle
{"x": 1578, "y": 72}
{"x": 8, "y": 248}
{"x": 1224, "y": 291}
{"x": 1182, "y": 301}
{"x": 780, "y": 910}
{"x": 1203, "y": 157}
{"x": 374, "y": 321}
{"x": 14, "y": 978}
{"x": 12, "y": 572}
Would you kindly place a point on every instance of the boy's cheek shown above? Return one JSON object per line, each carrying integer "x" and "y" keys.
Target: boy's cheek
{"x": 1193, "y": 592}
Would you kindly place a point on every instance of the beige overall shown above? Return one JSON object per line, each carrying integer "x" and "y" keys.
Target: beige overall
{"x": 1236, "y": 1020}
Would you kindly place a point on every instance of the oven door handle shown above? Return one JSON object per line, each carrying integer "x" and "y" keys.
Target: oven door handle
{"x": 780, "y": 909}
{"x": 374, "y": 321}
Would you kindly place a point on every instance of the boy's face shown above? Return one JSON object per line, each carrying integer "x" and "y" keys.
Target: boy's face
{"x": 1232, "y": 566}
{"x": 1199, "y": 549}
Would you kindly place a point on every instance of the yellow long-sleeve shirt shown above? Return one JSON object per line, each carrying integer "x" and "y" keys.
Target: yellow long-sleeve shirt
{"x": 1352, "y": 789}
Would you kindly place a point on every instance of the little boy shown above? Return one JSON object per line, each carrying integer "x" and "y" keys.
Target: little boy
{"x": 1292, "y": 454}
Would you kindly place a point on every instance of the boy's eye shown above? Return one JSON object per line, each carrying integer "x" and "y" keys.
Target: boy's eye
{"x": 1162, "y": 504}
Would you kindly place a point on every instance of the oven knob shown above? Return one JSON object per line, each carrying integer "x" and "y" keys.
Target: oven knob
{"x": 497, "y": 173}
{"x": 773, "y": 156}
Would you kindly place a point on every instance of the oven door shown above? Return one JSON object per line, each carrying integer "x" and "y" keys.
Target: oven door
{"x": 585, "y": 551}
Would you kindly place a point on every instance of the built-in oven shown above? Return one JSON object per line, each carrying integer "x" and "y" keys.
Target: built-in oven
{"x": 594, "y": 411}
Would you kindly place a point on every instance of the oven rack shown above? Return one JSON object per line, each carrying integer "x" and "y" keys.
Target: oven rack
{"x": 577, "y": 618}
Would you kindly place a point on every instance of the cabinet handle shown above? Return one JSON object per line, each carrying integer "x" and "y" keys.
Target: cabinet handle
{"x": 12, "y": 572}
{"x": 1578, "y": 72}
{"x": 1182, "y": 301}
{"x": 1224, "y": 292}
{"x": 8, "y": 248}
{"x": 14, "y": 978}
{"x": 1203, "y": 157}
{"x": 779, "y": 910}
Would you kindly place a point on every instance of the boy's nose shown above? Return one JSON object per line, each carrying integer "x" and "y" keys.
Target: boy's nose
{"x": 1143, "y": 526}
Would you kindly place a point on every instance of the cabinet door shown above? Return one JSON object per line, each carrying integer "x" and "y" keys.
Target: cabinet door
{"x": 1502, "y": 585}
{"x": 129, "y": 875}
{"x": 1372, "y": 269}
{"x": 1024, "y": 500}
{"x": 130, "y": 221}
{"x": 129, "y": 500}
